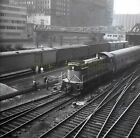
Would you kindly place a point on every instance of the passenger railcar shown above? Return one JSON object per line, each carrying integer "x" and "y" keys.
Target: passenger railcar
{"x": 80, "y": 73}
{"x": 125, "y": 57}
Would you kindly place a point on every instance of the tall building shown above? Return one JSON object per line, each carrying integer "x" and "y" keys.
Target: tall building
{"x": 55, "y": 10}
{"x": 60, "y": 12}
{"x": 73, "y": 12}
{"x": 12, "y": 23}
{"x": 109, "y": 11}
{"x": 19, "y": 3}
{"x": 91, "y": 12}
{"x": 38, "y": 7}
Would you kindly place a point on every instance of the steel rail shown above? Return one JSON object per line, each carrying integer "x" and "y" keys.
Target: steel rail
{"x": 59, "y": 102}
{"x": 115, "y": 106}
{"x": 133, "y": 128}
{"x": 18, "y": 109}
{"x": 81, "y": 126}
{"x": 131, "y": 107}
{"x": 86, "y": 121}
{"x": 90, "y": 110}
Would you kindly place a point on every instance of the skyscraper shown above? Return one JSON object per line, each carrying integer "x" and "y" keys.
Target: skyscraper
{"x": 12, "y": 22}
{"x": 91, "y": 12}
{"x": 73, "y": 12}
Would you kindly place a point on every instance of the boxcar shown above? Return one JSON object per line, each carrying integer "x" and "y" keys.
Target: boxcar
{"x": 49, "y": 56}
{"x": 13, "y": 61}
{"x": 63, "y": 54}
{"x": 80, "y": 52}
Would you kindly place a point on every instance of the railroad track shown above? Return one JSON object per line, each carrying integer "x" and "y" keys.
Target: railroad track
{"x": 30, "y": 78}
{"x": 18, "y": 121}
{"x": 16, "y": 74}
{"x": 135, "y": 131}
{"x": 12, "y": 115}
{"x": 9, "y": 127}
{"x": 24, "y": 85}
{"x": 73, "y": 121}
{"x": 18, "y": 109}
{"x": 125, "y": 122}
{"x": 118, "y": 108}
{"x": 94, "y": 124}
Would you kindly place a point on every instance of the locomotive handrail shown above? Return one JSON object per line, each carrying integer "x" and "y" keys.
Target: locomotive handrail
{"x": 77, "y": 77}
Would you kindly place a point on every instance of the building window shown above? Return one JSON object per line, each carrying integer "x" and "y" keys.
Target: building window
{"x": 42, "y": 22}
{"x": 2, "y": 14}
{"x": 11, "y": 27}
{"x": 2, "y": 27}
{"x": 20, "y": 28}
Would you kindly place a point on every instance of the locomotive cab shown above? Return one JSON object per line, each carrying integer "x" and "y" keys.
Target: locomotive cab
{"x": 80, "y": 73}
{"x": 74, "y": 79}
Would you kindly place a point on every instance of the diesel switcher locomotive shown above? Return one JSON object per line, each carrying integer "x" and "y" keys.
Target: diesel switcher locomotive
{"x": 81, "y": 73}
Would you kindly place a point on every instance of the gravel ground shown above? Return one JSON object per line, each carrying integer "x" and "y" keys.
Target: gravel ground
{"x": 43, "y": 125}
{"x": 52, "y": 119}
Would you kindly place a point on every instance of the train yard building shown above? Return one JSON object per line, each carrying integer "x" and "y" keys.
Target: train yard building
{"x": 133, "y": 36}
{"x": 127, "y": 21}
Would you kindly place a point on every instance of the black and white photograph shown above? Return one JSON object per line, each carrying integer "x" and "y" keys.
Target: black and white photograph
{"x": 69, "y": 68}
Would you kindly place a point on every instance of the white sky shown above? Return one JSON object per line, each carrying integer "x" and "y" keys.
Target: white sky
{"x": 127, "y": 6}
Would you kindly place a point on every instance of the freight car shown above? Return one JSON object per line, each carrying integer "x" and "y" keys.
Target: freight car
{"x": 81, "y": 73}
{"x": 77, "y": 52}
{"x": 20, "y": 60}
{"x": 24, "y": 59}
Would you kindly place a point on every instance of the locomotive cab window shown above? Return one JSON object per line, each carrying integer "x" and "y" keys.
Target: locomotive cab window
{"x": 75, "y": 68}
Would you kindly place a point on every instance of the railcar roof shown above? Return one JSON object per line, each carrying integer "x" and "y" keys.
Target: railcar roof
{"x": 90, "y": 60}
{"x": 70, "y": 46}
{"x": 75, "y": 63}
{"x": 8, "y": 53}
{"x": 125, "y": 50}
{"x": 107, "y": 54}
{"x": 114, "y": 42}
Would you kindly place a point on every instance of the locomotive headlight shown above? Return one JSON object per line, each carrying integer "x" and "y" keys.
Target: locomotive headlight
{"x": 72, "y": 67}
